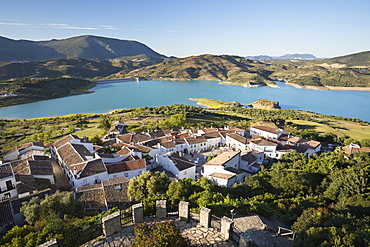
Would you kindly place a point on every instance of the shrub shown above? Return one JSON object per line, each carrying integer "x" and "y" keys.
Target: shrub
{"x": 158, "y": 234}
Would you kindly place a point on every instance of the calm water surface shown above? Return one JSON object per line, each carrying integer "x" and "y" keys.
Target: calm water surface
{"x": 121, "y": 95}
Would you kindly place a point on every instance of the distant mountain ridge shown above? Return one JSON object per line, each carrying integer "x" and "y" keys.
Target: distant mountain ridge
{"x": 295, "y": 56}
{"x": 86, "y": 46}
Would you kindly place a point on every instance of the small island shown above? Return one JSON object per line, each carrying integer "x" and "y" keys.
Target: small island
{"x": 212, "y": 103}
{"x": 265, "y": 104}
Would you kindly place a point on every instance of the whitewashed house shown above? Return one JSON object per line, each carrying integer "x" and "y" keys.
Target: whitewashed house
{"x": 177, "y": 165}
{"x": 7, "y": 182}
{"x": 131, "y": 167}
{"x": 29, "y": 149}
{"x": 89, "y": 172}
{"x": 223, "y": 170}
{"x": 267, "y": 132}
{"x": 10, "y": 154}
{"x": 236, "y": 141}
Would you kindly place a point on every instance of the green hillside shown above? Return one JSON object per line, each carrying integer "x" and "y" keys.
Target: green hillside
{"x": 346, "y": 71}
{"x": 232, "y": 69}
{"x": 74, "y": 67}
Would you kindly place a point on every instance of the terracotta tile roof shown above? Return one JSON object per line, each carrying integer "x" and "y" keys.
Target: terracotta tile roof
{"x": 234, "y": 170}
{"x": 89, "y": 187}
{"x": 6, "y": 214}
{"x": 126, "y": 166}
{"x": 290, "y": 148}
{"x": 235, "y": 129}
{"x": 27, "y": 184}
{"x": 6, "y": 171}
{"x": 41, "y": 167}
{"x": 64, "y": 140}
{"x": 40, "y": 157}
{"x": 195, "y": 140}
{"x": 70, "y": 154}
{"x": 30, "y": 144}
{"x": 168, "y": 144}
{"x": 211, "y": 135}
{"x": 92, "y": 198}
{"x": 294, "y": 139}
{"x": 249, "y": 157}
{"x": 180, "y": 162}
{"x": 142, "y": 148}
{"x": 222, "y": 175}
{"x": 110, "y": 193}
{"x": 134, "y": 138}
{"x": 267, "y": 129}
{"x": 309, "y": 143}
{"x": 93, "y": 167}
{"x": 9, "y": 151}
{"x": 82, "y": 150}
{"x": 21, "y": 167}
{"x": 222, "y": 158}
{"x": 352, "y": 149}
{"x": 239, "y": 138}
{"x": 264, "y": 142}
{"x": 124, "y": 151}
{"x": 284, "y": 137}
{"x": 115, "y": 190}
{"x": 136, "y": 164}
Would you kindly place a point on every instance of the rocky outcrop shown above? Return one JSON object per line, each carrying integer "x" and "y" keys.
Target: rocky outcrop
{"x": 265, "y": 104}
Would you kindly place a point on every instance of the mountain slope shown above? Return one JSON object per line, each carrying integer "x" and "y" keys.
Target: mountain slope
{"x": 347, "y": 71}
{"x": 233, "y": 69}
{"x": 87, "y": 46}
{"x": 75, "y": 67}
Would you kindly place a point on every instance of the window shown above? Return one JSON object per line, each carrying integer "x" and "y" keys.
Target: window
{"x": 125, "y": 174}
{"x": 185, "y": 172}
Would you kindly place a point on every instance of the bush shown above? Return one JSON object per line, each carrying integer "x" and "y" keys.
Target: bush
{"x": 158, "y": 235}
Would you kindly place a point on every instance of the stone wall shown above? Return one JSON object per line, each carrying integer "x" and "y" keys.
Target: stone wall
{"x": 111, "y": 224}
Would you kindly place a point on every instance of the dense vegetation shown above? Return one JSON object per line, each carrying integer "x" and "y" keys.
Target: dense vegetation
{"x": 325, "y": 199}
{"x": 158, "y": 234}
{"x": 53, "y": 217}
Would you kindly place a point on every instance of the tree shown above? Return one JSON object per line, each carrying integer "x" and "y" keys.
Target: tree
{"x": 96, "y": 140}
{"x": 178, "y": 191}
{"x": 58, "y": 205}
{"x": 311, "y": 217}
{"x": 147, "y": 185}
{"x": 105, "y": 123}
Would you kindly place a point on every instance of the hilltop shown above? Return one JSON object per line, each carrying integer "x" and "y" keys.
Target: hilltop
{"x": 295, "y": 56}
{"x": 86, "y": 46}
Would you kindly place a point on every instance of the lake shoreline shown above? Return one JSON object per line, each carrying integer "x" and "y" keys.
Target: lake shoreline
{"x": 329, "y": 87}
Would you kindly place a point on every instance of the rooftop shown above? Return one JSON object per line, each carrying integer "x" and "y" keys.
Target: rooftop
{"x": 222, "y": 158}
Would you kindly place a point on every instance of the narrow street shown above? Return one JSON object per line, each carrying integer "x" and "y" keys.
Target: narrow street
{"x": 60, "y": 178}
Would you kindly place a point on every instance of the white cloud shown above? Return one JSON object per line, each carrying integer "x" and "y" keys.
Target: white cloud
{"x": 14, "y": 24}
{"x": 79, "y": 28}
{"x": 170, "y": 31}
{"x": 138, "y": 30}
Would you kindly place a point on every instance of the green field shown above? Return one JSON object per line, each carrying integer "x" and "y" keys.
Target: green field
{"x": 339, "y": 128}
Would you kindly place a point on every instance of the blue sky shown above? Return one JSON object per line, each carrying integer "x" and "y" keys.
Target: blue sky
{"x": 325, "y": 28}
